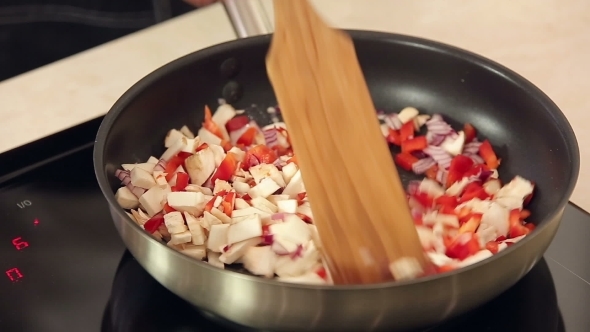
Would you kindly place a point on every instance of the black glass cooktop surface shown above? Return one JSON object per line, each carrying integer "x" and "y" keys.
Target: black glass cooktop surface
{"x": 64, "y": 268}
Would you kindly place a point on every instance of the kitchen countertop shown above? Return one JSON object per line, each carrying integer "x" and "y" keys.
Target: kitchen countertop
{"x": 546, "y": 41}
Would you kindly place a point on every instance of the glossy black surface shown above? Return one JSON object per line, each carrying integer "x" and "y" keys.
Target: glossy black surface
{"x": 77, "y": 276}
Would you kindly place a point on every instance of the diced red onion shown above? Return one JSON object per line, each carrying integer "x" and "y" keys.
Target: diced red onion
{"x": 441, "y": 176}
{"x": 125, "y": 177}
{"x": 413, "y": 187}
{"x": 160, "y": 166}
{"x": 271, "y": 137}
{"x": 435, "y": 139}
{"x": 416, "y": 213}
{"x": 419, "y": 154}
{"x": 476, "y": 158}
{"x": 437, "y": 125}
{"x": 485, "y": 175}
{"x": 392, "y": 121}
{"x": 298, "y": 252}
{"x": 471, "y": 147}
{"x": 381, "y": 115}
{"x": 278, "y": 216}
{"x": 253, "y": 161}
{"x": 442, "y": 158}
{"x": 423, "y": 165}
{"x": 267, "y": 239}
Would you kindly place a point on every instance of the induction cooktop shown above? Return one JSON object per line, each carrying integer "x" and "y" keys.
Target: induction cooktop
{"x": 63, "y": 267}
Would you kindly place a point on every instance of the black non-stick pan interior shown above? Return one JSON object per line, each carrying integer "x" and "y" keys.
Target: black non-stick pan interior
{"x": 532, "y": 139}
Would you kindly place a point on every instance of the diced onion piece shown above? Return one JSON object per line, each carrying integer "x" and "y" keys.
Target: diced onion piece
{"x": 208, "y": 137}
{"x": 186, "y": 201}
{"x": 175, "y": 223}
{"x": 153, "y": 200}
{"x": 407, "y": 114}
{"x": 197, "y": 252}
{"x": 405, "y": 268}
{"x": 142, "y": 178}
{"x": 265, "y": 188}
{"x": 259, "y": 261}
{"x": 236, "y": 250}
{"x": 200, "y": 166}
{"x": 223, "y": 114}
{"x": 174, "y": 149}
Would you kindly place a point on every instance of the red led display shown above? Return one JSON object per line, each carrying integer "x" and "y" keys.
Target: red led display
{"x": 19, "y": 244}
{"x": 14, "y": 274}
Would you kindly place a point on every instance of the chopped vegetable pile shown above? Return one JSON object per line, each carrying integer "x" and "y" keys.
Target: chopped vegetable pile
{"x": 233, "y": 194}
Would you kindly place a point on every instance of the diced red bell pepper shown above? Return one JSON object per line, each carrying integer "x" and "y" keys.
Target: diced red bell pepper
{"x": 292, "y": 160}
{"x": 431, "y": 172}
{"x": 237, "y": 123}
{"x": 226, "y": 169}
{"x": 459, "y": 166}
{"x": 210, "y": 125}
{"x": 530, "y": 226}
{"x": 248, "y": 136}
{"x": 445, "y": 268}
{"x": 480, "y": 193}
{"x": 500, "y": 238}
{"x": 447, "y": 209}
{"x": 489, "y": 156}
{"x": 464, "y": 215}
{"x": 469, "y": 131}
{"x": 211, "y": 203}
{"x": 406, "y": 132}
{"x": 228, "y": 203}
{"x": 182, "y": 180}
{"x": 304, "y": 217}
{"x": 524, "y": 213}
{"x": 446, "y": 200}
{"x": 226, "y": 145}
{"x": 493, "y": 247}
{"x": 516, "y": 227}
{"x": 471, "y": 225}
{"x": 414, "y": 144}
{"x": 168, "y": 208}
{"x": 424, "y": 200}
{"x": 174, "y": 163}
{"x": 394, "y": 137}
{"x": 463, "y": 246}
{"x": 262, "y": 153}
{"x": 476, "y": 170}
{"x": 201, "y": 147}
{"x": 321, "y": 272}
{"x": 153, "y": 223}
{"x": 405, "y": 160}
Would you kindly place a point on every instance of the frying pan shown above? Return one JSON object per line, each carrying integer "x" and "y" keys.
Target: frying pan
{"x": 527, "y": 129}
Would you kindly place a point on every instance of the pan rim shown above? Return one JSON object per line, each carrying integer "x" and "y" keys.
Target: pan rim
{"x": 550, "y": 108}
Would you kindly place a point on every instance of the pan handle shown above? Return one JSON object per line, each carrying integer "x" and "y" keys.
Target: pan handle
{"x": 247, "y": 17}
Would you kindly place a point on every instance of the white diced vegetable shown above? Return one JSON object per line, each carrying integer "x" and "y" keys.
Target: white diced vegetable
{"x": 213, "y": 259}
{"x": 210, "y": 220}
{"x": 194, "y": 251}
{"x": 142, "y": 178}
{"x": 200, "y": 166}
{"x": 262, "y": 171}
{"x": 126, "y": 199}
{"x": 236, "y": 214}
{"x": 265, "y": 188}
{"x": 174, "y": 222}
{"x": 191, "y": 202}
{"x": 174, "y": 149}
{"x": 274, "y": 199}
{"x": 160, "y": 178}
{"x": 479, "y": 256}
{"x": 454, "y": 146}
{"x": 172, "y": 137}
{"x": 407, "y": 114}
{"x": 194, "y": 226}
{"x": 217, "y": 237}
{"x": 492, "y": 186}
{"x": 180, "y": 238}
{"x": 218, "y": 153}
{"x": 285, "y": 266}
{"x": 148, "y": 167}
{"x": 199, "y": 189}
{"x": 221, "y": 216}
{"x": 432, "y": 188}
{"x": 305, "y": 209}
{"x": 187, "y": 132}
{"x": 191, "y": 145}
{"x": 241, "y": 187}
{"x": 295, "y": 185}
{"x": 239, "y": 153}
{"x": 221, "y": 185}
{"x": 245, "y": 229}
{"x": 208, "y": 137}
{"x": 222, "y": 115}
{"x": 289, "y": 171}
{"x": 292, "y": 229}
{"x": 498, "y": 217}
{"x": 153, "y": 200}
{"x": 235, "y": 251}
{"x": 311, "y": 278}
{"x": 264, "y": 205}
{"x": 241, "y": 204}
{"x": 259, "y": 261}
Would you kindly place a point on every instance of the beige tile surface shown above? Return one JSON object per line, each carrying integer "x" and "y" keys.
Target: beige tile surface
{"x": 546, "y": 41}
{"x": 85, "y": 86}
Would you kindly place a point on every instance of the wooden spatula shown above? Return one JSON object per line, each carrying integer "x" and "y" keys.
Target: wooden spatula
{"x": 359, "y": 203}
